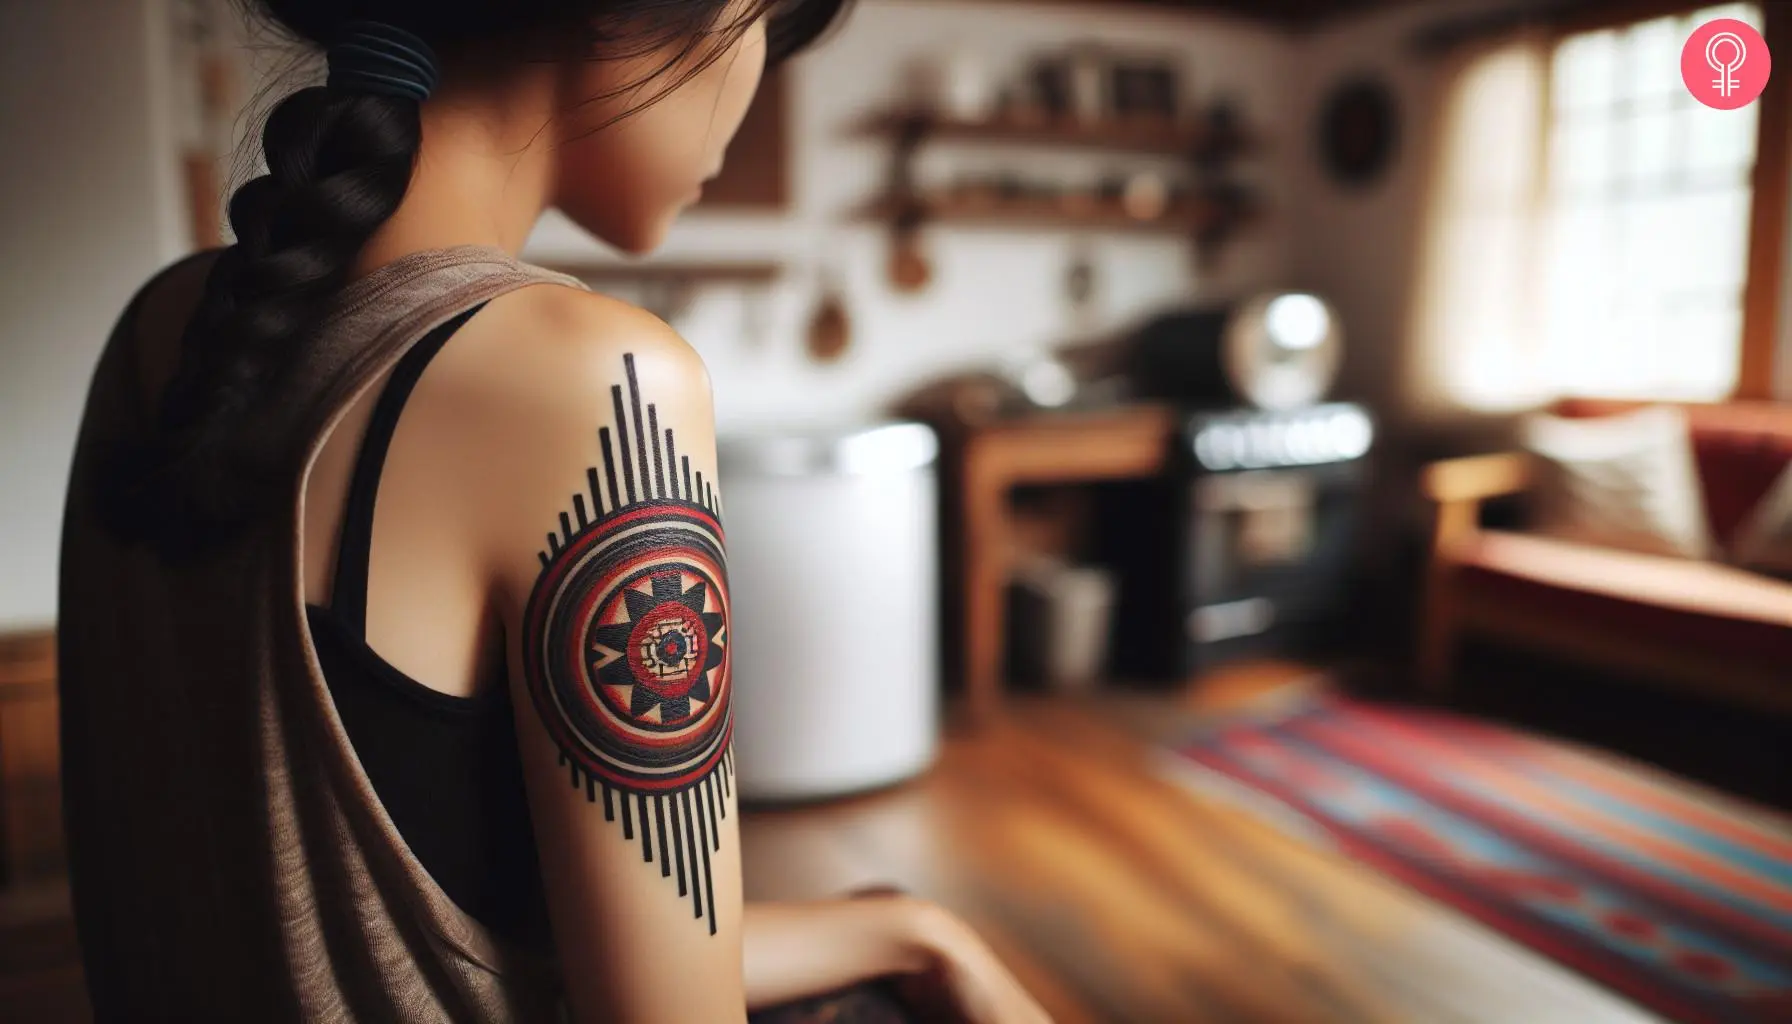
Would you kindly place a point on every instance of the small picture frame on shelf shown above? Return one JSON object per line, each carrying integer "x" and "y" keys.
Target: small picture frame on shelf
{"x": 1142, "y": 87}
{"x": 1073, "y": 85}
{"x": 1091, "y": 83}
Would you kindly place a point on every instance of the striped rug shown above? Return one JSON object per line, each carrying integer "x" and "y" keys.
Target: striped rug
{"x": 1674, "y": 896}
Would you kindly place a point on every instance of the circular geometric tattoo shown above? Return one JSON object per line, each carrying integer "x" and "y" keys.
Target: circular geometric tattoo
{"x": 626, "y": 648}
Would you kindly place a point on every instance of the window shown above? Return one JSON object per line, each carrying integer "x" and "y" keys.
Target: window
{"x": 1590, "y": 228}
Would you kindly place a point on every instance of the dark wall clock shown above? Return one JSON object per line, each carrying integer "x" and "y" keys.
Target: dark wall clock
{"x": 1359, "y": 131}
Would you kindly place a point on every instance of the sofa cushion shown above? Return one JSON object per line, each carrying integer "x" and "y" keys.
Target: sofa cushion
{"x": 1741, "y": 447}
{"x": 1700, "y": 605}
{"x": 1622, "y": 481}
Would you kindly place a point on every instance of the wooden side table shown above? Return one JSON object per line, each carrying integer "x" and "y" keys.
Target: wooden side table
{"x": 1124, "y": 443}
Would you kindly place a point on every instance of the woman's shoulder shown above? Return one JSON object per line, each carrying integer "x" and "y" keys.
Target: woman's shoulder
{"x": 533, "y": 383}
{"x": 552, "y": 340}
{"x": 582, "y": 323}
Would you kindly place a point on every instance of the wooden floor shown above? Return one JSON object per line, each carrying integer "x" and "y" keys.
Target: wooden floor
{"x": 1118, "y": 896}
{"x": 1114, "y": 893}
{"x": 40, "y": 963}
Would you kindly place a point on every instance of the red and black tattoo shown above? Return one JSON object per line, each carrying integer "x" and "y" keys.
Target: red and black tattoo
{"x": 625, "y": 647}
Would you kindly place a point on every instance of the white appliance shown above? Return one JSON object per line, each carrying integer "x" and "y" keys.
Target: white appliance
{"x": 832, "y": 570}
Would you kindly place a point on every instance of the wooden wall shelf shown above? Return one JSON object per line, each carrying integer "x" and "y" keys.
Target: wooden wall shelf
{"x": 1151, "y": 137}
{"x": 1207, "y": 145}
{"x": 1189, "y": 219}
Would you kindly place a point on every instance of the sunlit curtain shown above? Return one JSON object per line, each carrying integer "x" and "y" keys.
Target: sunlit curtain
{"x": 1586, "y": 229}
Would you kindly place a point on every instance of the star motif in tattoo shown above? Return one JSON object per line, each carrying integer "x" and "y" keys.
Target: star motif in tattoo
{"x": 656, "y": 650}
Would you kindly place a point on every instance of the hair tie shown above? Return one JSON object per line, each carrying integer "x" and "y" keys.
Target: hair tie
{"x": 383, "y": 60}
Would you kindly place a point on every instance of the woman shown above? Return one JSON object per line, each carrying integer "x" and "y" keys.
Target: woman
{"x": 461, "y": 752}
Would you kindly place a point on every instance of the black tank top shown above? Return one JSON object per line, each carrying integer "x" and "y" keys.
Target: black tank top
{"x": 446, "y": 768}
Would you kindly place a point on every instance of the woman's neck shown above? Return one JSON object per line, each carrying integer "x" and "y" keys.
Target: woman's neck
{"x": 484, "y": 174}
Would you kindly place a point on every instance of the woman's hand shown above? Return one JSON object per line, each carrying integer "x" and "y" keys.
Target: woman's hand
{"x": 942, "y": 971}
{"x": 965, "y": 981}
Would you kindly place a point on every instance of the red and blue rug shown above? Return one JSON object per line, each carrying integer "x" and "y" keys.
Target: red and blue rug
{"x": 1675, "y": 896}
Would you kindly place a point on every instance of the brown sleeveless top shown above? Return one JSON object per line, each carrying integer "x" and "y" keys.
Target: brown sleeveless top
{"x": 229, "y": 858}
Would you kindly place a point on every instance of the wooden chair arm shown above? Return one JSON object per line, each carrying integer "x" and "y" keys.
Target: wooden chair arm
{"x": 1458, "y": 486}
{"x": 1477, "y": 477}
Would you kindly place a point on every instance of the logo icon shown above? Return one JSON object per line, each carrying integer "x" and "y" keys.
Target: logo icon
{"x": 1725, "y": 64}
{"x": 1725, "y": 83}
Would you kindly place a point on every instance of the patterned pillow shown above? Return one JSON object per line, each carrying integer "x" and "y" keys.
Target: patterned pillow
{"x": 1764, "y": 543}
{"x": 1625, "y": 481}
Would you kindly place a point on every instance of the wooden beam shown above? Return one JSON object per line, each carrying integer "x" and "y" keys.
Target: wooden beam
{"x": 1592, "y": 15}
{"x": 1558, "y": 17}
{"x": 1290, "y": 14}
{"x": 1767, "y": 219}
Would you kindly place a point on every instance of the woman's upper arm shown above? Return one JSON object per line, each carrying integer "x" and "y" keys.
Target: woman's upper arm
{"x": 610, "y": 573}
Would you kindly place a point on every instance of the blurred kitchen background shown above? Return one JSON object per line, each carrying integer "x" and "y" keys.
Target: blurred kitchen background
{"x": 1275, "y": 510}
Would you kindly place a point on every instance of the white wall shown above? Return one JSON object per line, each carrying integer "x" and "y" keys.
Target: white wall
{"x": 994, "y": 294}
{"x": 1357, "y": 246}
{"x": 86, "y": 201}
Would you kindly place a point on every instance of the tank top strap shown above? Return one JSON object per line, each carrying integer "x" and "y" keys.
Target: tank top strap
{"x": 398, "y": 316}
{"x": 348, "y": 590}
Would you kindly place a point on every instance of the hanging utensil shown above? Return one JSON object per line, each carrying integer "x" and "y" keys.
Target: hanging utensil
{"x": 830, "y": 329}
{"x": 908, "y": 267}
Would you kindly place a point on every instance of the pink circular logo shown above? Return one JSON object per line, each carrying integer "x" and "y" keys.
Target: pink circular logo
{"x": 1725, "y": 64}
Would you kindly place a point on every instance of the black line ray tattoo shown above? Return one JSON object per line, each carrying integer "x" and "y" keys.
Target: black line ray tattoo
{"x": 626, "y": 647}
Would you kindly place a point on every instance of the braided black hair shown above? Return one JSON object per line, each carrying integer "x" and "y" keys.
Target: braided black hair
{"x": 338, "y": 166}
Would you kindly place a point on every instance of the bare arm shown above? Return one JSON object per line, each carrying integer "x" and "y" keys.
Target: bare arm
{"x": 599, "y": 482}
{"x": 614, "y": 592}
